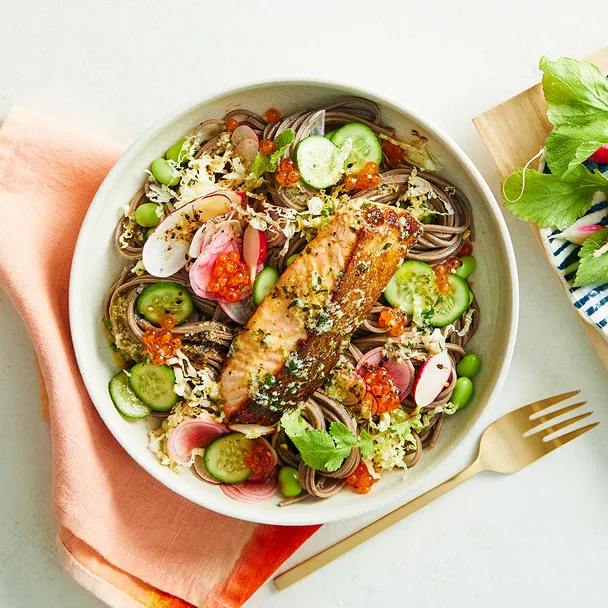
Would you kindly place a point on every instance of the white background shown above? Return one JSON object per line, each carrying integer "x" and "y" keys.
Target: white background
{"x": 537, "y": 538}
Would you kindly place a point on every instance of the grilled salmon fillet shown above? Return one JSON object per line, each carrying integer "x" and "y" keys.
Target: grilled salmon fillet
{"x": 299, "y": 331}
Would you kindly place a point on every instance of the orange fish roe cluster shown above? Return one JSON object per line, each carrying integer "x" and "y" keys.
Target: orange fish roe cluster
{"x": 267, "y": 146}
{"x": 161, "y": 344}
{"x": 441, "y": 273}
{"x": 231, "y": 124}
{"x": 287, "y": 175}
{"x": 361, "y": 480}
{"x": 368, "y": 177}
{"x": 259, "y": 459}
{"x": 229, "y": 277}
{"x": 394, "y": 320}
{"x": 273, "y": 115}
{"x": 382, "y": 395}
{"x": 393, "y": 153}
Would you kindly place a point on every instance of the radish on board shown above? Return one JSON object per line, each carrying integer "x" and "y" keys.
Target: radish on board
{"x": 246, "y": 142}
{"x": 254, "y": 249}
{"x": 402, "y": 373}
{"x": 166, "y": 249}
{"x": 190, "y": 434}
{"x": 432, "y": 378}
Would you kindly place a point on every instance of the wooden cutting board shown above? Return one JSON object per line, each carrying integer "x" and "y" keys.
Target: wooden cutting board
{"x": 514, "y": 132}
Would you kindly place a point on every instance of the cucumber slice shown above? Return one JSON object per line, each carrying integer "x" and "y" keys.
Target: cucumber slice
{"x": 125, "y": 400}
{"x": 331, "y": 134}
{"x": 264, "y": 283}
{"x": 154, "y": 385}
{"x": 366, "y": 146}
{"x": 411, "y": 279}
{"x": 162, "y": 299}
{"x": 224, "y": 458}
{"x": 451, "y": 305}
{"x": 318, "y": 162}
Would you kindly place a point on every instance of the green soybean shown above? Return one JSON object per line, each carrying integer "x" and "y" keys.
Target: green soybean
{"x": 468, "y": 366}
{"x": 164, "y": 172}
{"x": 145, "y": 215}
{"x": 291, "y": 258}
{"x": 468, "y": 264}
{"x": 428, "y": 219}
{"x": 462, "y": 392}
{"x": 289, "y": 481}
{"x": 174, "y": 150}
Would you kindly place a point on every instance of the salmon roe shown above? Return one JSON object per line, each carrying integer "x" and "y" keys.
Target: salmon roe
{"x": 259, "y": 459}
{"x": 466, "y": 249}
{"x": 441, "y": 273}
{"x": 382, "y": 395}
{"x": 361, "y": 480}
{"x": 267, "y": 146}
{"x": 229, "y": 277}
{"x": 287, "y": 175}
{"x": 273, "y": 115}
{"x": 394, "y": 320}
{"x": 393, "y": 153}
{"x": 368, "y": 177}
{"x": 231, "y": 124}
{"x": 161, "y": 344}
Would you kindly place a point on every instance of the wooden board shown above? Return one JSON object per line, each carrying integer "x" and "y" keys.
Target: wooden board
{"x": 514, "y": 132}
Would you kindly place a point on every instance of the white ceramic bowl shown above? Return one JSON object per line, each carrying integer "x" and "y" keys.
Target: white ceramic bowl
{"x": 96, "y": 265}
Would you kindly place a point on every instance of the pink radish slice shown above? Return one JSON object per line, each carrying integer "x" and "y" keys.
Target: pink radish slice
{"x": 190, "y": 434}
{"x": 201, "y": 470}
{"x": 223, "y": 240}
{"x": 271, "y": 466}
{"x": 207, "y": 230}
{"x": 251, "y": 491}
{"x": 432, "y": 378}
{"x": 402, "y": 374}
{"x": 254, "y": 249}
{"x": 240, "y": 312}
{"x": 246, "y": 142}
{"x": 163, "y": 255}
{"x": 258, "y": 429}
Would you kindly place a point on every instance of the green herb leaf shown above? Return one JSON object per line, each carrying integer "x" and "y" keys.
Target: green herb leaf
{"x": 268, "y": 163}
{"x": 342, "y": 435}
{"x": 365, "y": 444}
{"x": 293, "y": 423}
{"x": 577, "y": 100}
{"x": 593, "y": 268}
{"x": 549, "y": 200}
{"x": 319, "y": 451}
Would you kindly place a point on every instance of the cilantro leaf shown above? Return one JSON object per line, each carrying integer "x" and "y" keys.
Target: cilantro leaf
{"x": 577, "y": 100}
{"x": 549, "y": 200}
{"x": 264, "y": 163}
{"x": 319, "y": 451}
{"x": 342, "y": 435}
{"x": 365, "y": 444}
{"x": 593, "y": 268}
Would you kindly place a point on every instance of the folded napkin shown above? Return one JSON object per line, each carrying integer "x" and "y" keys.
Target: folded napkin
{"x": 123, "y": 535}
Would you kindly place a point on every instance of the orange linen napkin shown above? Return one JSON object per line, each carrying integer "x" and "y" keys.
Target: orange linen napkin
{"x": 123, "y": 535}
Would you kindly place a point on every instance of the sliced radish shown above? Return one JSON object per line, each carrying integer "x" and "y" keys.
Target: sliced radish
{"x": 251, "y": 491}
{"x": 256, "y": 429}
{"x": 254, "y": 249}
{"x": 191, "y": 434}
{"x": 223, "y": 240}
{"x": 266, "y": 471}
{"x": 240, "y": 312}
{"x": 432, "y": 378}
{"x": 246, "y": 142}
{"x": 402, "y": 374}
{"x": 601, "y": 155}
{"x": 166, "y": 249}
{"x": 201, "y": 470}
{"x": 206, "y": 231}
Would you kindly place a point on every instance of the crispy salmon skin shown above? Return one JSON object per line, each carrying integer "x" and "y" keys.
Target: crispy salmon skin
{"x": 299, "y": 331}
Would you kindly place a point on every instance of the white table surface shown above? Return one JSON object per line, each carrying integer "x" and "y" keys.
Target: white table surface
{"x": 537, "y": 538}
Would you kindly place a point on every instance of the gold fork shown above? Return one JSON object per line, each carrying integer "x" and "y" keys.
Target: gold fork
{"x": 507, "y": 445}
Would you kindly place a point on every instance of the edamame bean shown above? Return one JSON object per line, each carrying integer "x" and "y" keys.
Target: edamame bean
{"x": 468, "y": 366}
{"x": 174, "y": 150}
{"x": 164, "y": 172}
{"x": 462, "y": 392}
{"x": 289, "y": 481}
{"x": 468, "y": 264}
{"x": 145, "y": 215}
{"x": 428, "y": 219}
{"x": 291, "y": 258}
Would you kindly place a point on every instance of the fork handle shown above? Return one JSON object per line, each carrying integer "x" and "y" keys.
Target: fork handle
{"x": 311, "y": 565}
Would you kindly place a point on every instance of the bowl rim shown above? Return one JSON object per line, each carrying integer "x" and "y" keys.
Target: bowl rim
{"x": 77, "y": 267}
